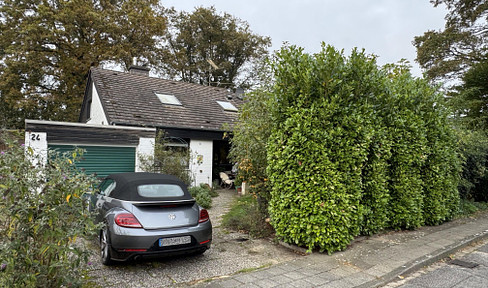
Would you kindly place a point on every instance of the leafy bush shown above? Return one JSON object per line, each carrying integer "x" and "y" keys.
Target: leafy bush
{"x": 250, "y": 135}
{"x": 203, "y": 195}
{"x": 355, "y": 149}
{"x": 473, "y": 146}
{"x": 43, "y": 214}
{"x": 244, "y": 215}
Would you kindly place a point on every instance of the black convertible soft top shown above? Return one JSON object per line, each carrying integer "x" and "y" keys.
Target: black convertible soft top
{"x": 126, "y": 186}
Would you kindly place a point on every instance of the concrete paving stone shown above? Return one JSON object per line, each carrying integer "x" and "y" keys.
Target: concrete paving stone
{"x": 302, "y": 283}
{"x": 327, "y": 264}
{"x": 323, "y": 278}
{"x": 359, "y": 278}
{"x": 441, "y": 278}
{"x": 246, "y": 278}
{"x": 291, "y": 266}
{"x": 483, "y": 248}
{"x": 344, "y": 271}
{"x": 402, "y": 256}
{"x": 275, "y": 270}
{"x": 281, "y": 279}
{"x": 424, "y": 252}
{"x": 362, "y": 264}
{"x": 342, "y": 283}
{"x": 472, "y": 282}
{"x": 302, "y": 263}
{"x": 228, "y": 283}
{"x": 263, "y": 274}
{"x": 310, "y": 271}
{"x": 266, "y": 283}
{"x": 481, "y": 271}
{"x": 295, "y": 275}
{"x": 378, "y": 271}
{"x": 408, "y": 285}
{"x": 477, "y": 257}
{"x": 444, "y": 242}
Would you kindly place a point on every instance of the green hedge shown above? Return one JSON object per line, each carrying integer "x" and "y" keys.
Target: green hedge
{"x": 355, "y": 148}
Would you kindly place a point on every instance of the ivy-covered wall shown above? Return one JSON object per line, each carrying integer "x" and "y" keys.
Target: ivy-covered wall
{"x": 355, "y": 149}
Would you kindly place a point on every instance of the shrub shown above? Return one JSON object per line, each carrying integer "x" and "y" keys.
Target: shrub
{"x": 355, "y": 149}
{"x": 203, "y": 195}
{"x": 43, "y": 214}
{"x": 473, "y": 146}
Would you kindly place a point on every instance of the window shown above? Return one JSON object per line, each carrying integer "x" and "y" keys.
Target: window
{"x": 227, "y": 106}
{"x": 160, "y": 190}
{"x": 168, "y": 99}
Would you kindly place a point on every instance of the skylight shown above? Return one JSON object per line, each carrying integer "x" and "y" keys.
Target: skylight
{"x": 168, "y": 99}
{"x": 227, "y": 106}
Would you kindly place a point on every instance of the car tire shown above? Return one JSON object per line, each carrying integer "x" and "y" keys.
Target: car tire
{"x": 105, "y": 254}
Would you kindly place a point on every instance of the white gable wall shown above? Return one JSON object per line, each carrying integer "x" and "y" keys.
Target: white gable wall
{"x": 145, "y": 149}
{"x": 97, "y": 115}
{"x": 201, "y": 161}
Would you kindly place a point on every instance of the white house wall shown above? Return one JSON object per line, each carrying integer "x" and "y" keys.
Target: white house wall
{"x": 145, "y": 149}
{"x": 201, "y": 161}
{"x": 97, "y": 115}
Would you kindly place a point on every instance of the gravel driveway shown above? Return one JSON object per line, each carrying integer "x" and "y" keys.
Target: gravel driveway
{"x": 231, "y": 253}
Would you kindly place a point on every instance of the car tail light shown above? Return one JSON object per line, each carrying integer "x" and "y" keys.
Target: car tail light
{"x": 203, "y": 216}
{"x": 127, "y": 220}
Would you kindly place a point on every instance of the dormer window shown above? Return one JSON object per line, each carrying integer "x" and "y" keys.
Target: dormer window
{"x": 227, "y": 106}
{"x": 168, "y": 99}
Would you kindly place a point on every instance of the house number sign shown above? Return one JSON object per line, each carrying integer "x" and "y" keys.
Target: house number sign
{"x": 35, "y": 137}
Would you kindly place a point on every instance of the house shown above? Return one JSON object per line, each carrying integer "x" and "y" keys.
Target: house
{"x": 133, "y": 103}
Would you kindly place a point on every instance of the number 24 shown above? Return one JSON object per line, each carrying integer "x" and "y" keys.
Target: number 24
{"x": 35, "y": 137}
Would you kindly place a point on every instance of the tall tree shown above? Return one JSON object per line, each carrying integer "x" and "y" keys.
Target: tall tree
{"x": 48, "y": 46}
{"x": 211, "y": 49}
{"x": 447, "y": 54}
{"x": 470, "y": 102}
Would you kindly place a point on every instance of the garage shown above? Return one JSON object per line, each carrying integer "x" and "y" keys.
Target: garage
{"x": 102, "y": 160}
{"x": 108, "y": 149}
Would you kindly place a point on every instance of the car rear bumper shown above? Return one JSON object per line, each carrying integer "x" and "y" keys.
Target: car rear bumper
{"x": 128, "y": 243}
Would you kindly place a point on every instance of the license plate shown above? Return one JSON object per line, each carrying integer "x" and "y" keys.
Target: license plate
{"x": 164, "y": 242}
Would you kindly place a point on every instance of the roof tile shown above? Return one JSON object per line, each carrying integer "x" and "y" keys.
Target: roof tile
{"x": 130, "y": 99}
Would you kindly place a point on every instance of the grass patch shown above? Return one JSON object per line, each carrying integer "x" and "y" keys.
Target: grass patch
{"x": 244, "y": 215}
{"x": 247, "y": 270}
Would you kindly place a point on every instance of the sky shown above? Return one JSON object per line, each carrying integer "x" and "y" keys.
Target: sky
{"x": 385, "y": 28}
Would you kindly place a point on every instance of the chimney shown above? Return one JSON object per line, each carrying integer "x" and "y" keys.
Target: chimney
{"x": 139, "y": 70}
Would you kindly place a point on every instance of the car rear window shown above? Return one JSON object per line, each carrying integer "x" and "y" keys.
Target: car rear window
{"x": 159, "y": 190}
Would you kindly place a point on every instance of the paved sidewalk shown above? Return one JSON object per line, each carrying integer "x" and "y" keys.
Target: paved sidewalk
{"x": 369, "y": 261}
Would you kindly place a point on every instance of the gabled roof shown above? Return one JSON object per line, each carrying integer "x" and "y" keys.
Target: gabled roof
{"x": 130, "y": 99}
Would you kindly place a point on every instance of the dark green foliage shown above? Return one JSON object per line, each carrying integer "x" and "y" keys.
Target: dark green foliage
{"x": 473, "y": 146}
{"x": 449, "y": 53}
{"x": 469, "y": 207}
{"x": 470, "y": 99}
{"x": 203, "y": 195}
{"x": 43, "y": 215}
{"x": 355, "y": 149}
{"x": 48, "y": 47}
{"x": 211, "y": 48}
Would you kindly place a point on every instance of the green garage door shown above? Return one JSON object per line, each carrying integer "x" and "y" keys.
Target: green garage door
{"x": 103, "y": 160}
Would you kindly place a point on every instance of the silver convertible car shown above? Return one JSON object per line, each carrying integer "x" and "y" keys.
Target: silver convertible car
{"x": 148, "y": 214}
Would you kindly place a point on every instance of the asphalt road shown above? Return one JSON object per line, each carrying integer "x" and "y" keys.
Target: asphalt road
{"x": 465, "y": 269}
